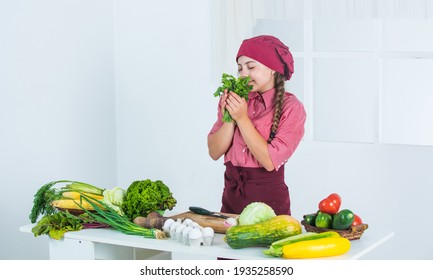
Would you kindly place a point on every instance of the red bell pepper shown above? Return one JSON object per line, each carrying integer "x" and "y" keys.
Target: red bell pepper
{"x": 330, "y": 204}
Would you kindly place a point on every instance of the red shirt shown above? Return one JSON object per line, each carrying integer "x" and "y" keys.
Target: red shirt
{"x": 261, "y": 112}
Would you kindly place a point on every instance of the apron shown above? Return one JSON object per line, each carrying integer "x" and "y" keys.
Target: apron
{"x": 244, "y": 185}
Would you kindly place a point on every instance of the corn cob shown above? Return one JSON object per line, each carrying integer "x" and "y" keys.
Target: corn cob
{"x": 77, "y": 195}
{"x": 73, "y": 204}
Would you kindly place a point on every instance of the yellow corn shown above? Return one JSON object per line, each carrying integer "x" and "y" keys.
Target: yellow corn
{"x": 73, "y": 204}
{"x": 323, "y": 247}
{"x": 77, "y": 195}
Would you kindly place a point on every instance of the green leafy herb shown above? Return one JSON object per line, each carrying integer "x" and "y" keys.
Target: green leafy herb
{"x": 238, "y": 85}
{"x": 55, "y": 225}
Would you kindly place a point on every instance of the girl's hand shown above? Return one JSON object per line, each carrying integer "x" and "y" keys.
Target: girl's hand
{"x": 223, "y": 101}
{"x": 236, "y": 105}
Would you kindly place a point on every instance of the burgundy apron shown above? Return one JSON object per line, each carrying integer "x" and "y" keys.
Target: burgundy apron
{"x": 244, "y": 185}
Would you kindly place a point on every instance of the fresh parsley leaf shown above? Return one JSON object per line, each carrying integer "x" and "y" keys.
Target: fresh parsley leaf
{"x": 238, "y": 85}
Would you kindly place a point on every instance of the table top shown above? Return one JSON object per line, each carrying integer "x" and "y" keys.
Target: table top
{"x": 370, "y": 240}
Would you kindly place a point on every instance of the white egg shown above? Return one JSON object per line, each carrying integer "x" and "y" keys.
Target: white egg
{"x": 195, "y": 237}
{"x": 174, "y": 225}
{"x": 195, "y": 225}
{"x": 187, "y": 222}
{"x": 195, "y": 234}
{"x": 166, "y": 226}
{"x": 208, "y": 231}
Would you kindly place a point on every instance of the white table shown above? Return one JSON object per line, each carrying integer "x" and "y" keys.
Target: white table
{"x": 89, "y": 244}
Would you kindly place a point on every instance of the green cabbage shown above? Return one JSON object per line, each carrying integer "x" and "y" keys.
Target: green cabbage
{"x": 256, "y": 212}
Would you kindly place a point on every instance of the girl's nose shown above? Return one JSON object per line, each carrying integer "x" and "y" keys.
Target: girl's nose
{"x": 243, "y": 73}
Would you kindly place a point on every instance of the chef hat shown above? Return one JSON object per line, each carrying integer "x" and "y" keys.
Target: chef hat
{"x": 269, "y": 51}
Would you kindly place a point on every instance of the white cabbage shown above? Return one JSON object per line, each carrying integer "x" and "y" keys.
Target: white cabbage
{"x": 114, "y": 198}
{"x": 256, "y": 212}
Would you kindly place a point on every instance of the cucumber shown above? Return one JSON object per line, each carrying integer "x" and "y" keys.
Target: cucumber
{"x": 310, "y": 219}
{"x": 343, "y": 219}
{"x": 276, "y": 248}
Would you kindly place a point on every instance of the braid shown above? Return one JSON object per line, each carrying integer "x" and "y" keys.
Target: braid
{"x": 279, "y": 100}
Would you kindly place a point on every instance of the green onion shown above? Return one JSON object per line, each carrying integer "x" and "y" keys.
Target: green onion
{"x": 118, "y": 222}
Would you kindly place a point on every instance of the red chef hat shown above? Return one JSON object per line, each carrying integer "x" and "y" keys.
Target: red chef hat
{"x": 269, "y": 51}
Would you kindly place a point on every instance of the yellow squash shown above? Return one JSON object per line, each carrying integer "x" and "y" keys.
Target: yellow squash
{"x": 324, "y": 247}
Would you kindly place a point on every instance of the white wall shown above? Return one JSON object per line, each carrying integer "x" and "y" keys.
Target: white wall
{"x": 162, "y": 75}
{"x": 57, "y": 113}
{"x": 388, "y": 185}
{"x": 165, "y": 104}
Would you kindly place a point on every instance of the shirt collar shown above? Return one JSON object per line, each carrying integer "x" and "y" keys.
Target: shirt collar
{"x": 267, "y": 97}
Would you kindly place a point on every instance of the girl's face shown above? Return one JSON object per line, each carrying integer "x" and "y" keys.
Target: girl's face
{"x": 261, "y": 77}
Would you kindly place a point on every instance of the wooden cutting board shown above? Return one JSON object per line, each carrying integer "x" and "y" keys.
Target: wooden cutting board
{"x": 217, "y": 224}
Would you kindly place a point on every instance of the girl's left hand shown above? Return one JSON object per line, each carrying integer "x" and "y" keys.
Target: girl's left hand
{"x": 237, "y": 106}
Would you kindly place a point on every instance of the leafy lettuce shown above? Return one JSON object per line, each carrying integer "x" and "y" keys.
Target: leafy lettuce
{"x": 145, "y": 196}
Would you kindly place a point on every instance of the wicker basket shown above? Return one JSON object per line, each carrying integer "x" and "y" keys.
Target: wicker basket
{"x": 353, "y": 233}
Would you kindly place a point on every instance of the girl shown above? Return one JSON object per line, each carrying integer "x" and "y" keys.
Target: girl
{"x": 266, "y": 129}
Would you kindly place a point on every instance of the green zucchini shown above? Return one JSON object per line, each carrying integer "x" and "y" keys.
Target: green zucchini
{"x": 262, "y": 234}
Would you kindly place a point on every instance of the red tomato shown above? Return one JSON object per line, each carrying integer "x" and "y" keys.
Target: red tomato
{"x": 335, "y": 198}
{"x": 357, "y": 220}
{"x": 330, "y": 204}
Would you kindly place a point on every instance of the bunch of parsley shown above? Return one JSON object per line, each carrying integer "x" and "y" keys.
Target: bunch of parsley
{"x": 238, "y": 85}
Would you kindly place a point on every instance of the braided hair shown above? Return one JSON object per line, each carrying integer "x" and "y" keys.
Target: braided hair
{"x": 279, "y": 80}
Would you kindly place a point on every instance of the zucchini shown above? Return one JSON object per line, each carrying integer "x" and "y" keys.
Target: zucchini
{"x": 343, "y": 219}
{"x": 324, "y": 247}
{"x": 276, "y": 248}
{"x": 262, "y": 234}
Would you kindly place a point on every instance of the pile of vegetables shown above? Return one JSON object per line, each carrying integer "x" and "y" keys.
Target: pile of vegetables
{"x": 237, "y": 85}
{"x": 77, "y": 205}
{"x": 48, "y": 199}
{"x": 282, "y": 234}
{"x": 329, "y": 215}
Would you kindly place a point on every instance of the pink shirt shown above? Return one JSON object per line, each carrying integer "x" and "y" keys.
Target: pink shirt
{"x": 261, "y": 111}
